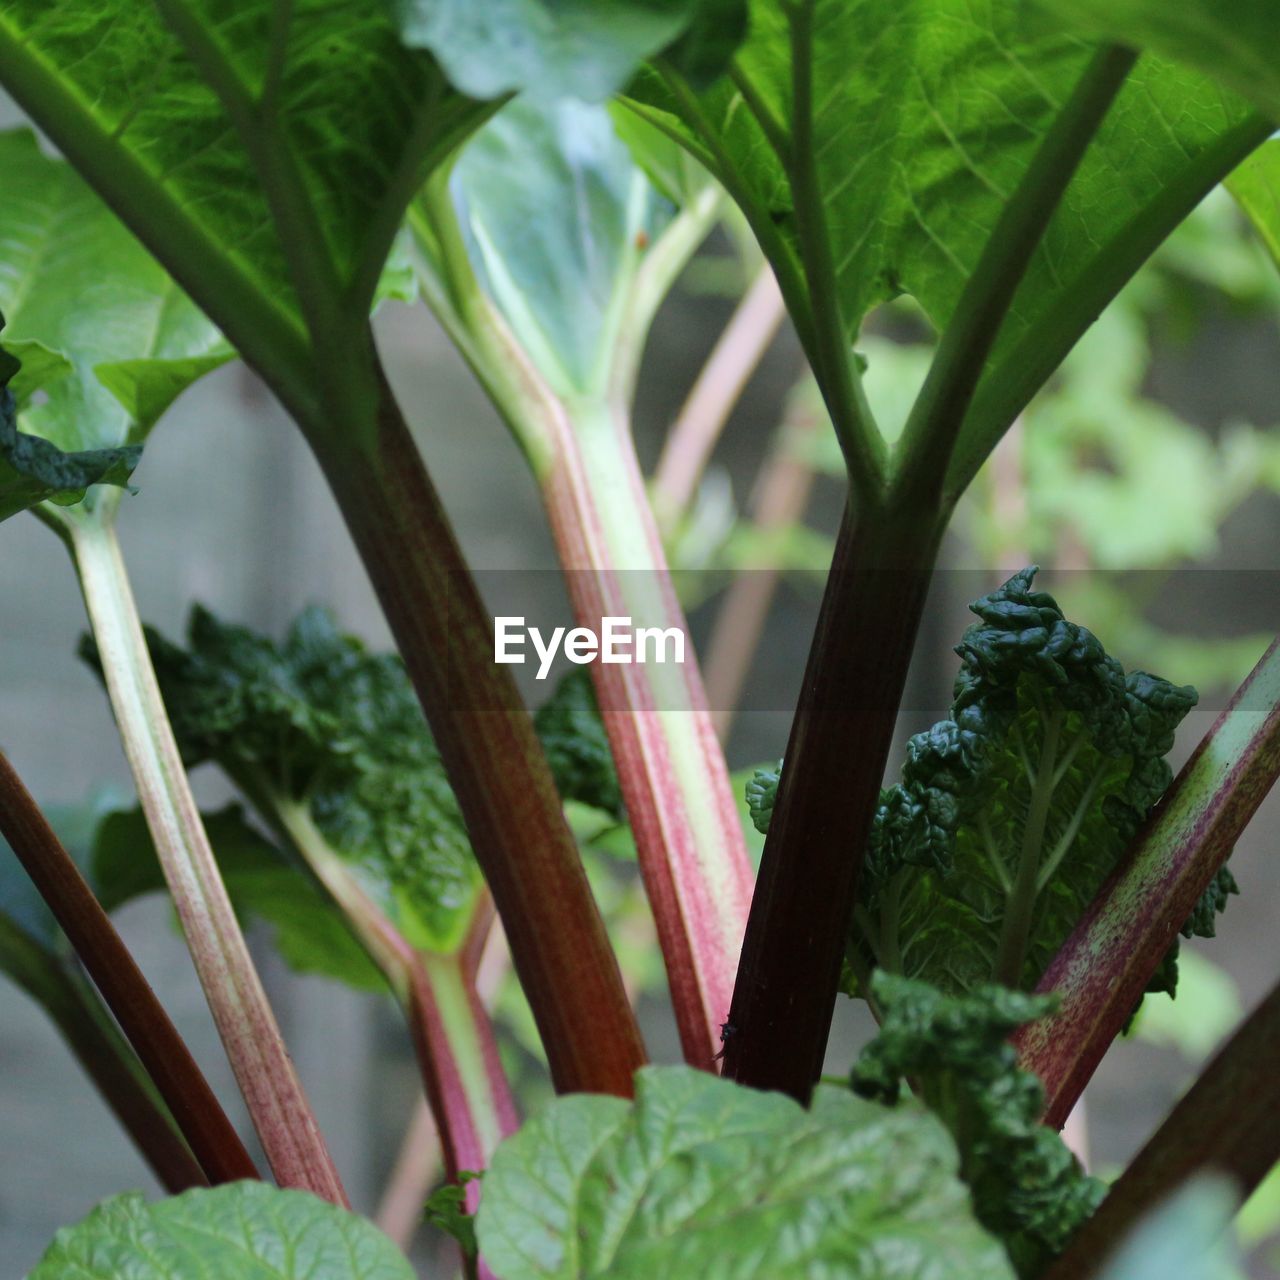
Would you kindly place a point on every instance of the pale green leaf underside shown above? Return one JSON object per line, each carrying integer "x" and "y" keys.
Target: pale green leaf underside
{"x": 77, "y": 289}
{"x": 701, "y": 1177}
{"x": 332, "y": 84}
{"x": 246, "y": 1230}
{"x": 1235, "y": 42}
{"x": 552, "y": 206}
{"x": 556, "y": 49}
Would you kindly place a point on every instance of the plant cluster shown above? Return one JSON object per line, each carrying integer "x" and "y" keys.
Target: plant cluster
{"x": 255, "y": 180}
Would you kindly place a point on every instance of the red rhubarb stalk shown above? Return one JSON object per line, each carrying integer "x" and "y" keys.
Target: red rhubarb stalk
{"x": 1104, "y": 966}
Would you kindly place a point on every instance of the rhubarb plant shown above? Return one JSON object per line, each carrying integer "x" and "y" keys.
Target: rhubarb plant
{"x": 542, "y": 174}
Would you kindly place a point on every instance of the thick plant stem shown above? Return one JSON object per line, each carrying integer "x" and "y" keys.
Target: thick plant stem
{"x": 688, "y": 834}
{"x": 78, "y": 1013}
{"x": 452, "y": 1035}
{"x": 1103, "y": 967}
{"x": 162, "y": 1051}
{"x": 495, "y": 763}
{"x": 1229, "y": 1123}
{"x": 840, "y": 739}
{"x": 264, "y": 1071}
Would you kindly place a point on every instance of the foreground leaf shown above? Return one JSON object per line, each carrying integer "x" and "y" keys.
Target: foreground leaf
{"x": 1011, "y": 813}
{"x": 704, "y": 1177}
{"x": 248, "y": 1230}
{"x": 1027, "y": 1187}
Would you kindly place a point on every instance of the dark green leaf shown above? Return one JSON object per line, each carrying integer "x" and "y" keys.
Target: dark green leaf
{"x": 584, "y": 49}
{"x": 248, "y": 1230}
{"x": 1234, "y": 43}
{"x": 577, "y": 747}
{"x": 319, "y": 720}
{"x": 309, "y": 933}
{"x": 446, "y": 1210}
{"x": 703, "y": 1177}
{"x": 1012, "y": 813}
{"x": 1027, "y": 1187}
{"x": 159, "y": 104}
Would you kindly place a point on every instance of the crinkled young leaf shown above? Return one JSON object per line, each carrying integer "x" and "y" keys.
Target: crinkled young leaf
{"x": 583, "y": 49}
{"x": 703, "y": 1177}
{"x": 74, "y": 281}
{"x": 248, "y": 1230}
{"x": 577, "y": 747}
{"x": 555, "y": 212}
{"x": 309, "y": 933}
{"x": 922, "y": 128}
{"x": 1235, "y": 43}
{"x": 1027, "y": 1186}
{"x": 1020, "y": 804}
{"x": 319, "y": 719}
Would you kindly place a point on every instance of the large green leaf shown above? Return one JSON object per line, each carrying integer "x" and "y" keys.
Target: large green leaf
{"x": 703, "y": 1177}
{"x": 248, "y": 1230}
{"x": 259, "y": 150}
{"x": 1235, "y": 43}
{"x": 556, "y": 214}
{"x": 74, "y": 282}
{"x": 920, "y": 129}
{"x": 583, "y": 49}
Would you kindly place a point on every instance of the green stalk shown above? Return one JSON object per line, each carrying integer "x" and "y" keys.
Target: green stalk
{"x": 161, "y": 1050}
{"x": 78, "y": 1013}
{"x": 1102, "y": 969}
{"x": 277, "y": 1104}
{"x": 1020, "y": 901}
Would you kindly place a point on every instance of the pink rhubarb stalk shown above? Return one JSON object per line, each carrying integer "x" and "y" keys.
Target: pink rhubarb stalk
{"x": 1106, "y": 963}
{"x": 687, "y": 828}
